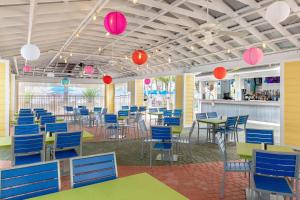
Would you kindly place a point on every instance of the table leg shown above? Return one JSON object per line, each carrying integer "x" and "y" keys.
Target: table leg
{"x": 198, "y": 132}
{"x": 214, "y": 133}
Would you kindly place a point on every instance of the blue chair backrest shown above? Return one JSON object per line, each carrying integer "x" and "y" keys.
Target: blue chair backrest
{"x": 38, "y": 109}
{"x": 93, "y": 169}
{"x": 201, "y": 116}
{"x": 29, "y": 181}
{"x": 97, "y": 109}
{"x": 110, "y": 119}
{"x": 172, "y": 121}
{"x": 133, "y": 108}
{"x": 25, "y": 110}
{"x": 25, "y": 120}
{"x": 161, "y": 132}
{"x": 44, "y": 114}
{"x": 27, "y": 129}
{"x": 258, "y": 136}
{"x": 153, "y": 110}
{"x": 142, "y": 108}
{"x": 56, "y": 127}
{"x": 231, "y": 122}
{"x": 68, "y": 140}
{"x": 39, "y": 113}
{"x": 275, "y": 163}
{"x": 242, "y": 119}
{"x": 212, "y": 115}
{"x": 26, "y": 114}
{"x": 81, "y": 107}
{"x": 69, "y": 108}
{"x": 48, "y": 119}
{"x": 168, "y": 113}
{"x": 123, "y": 113}
{"x": 84, "y": 112}
{"x": 125, "y": 107}
{"x": 26, "y": 144}
{"x": 177, "y": 113}
{"x": 161, "y": 109}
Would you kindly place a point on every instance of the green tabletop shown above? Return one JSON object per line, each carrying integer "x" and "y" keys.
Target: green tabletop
{"x": 5, "y": 142}
{"x": 212, "y": 121}
{"x": 245, "y": 150}
{"x": 135, "y": 187}
{"x": 176, "y": 129}
{"x": 37, "y": 121}
{"x": 156, "y": 113}
{"x": 122, "y": 117}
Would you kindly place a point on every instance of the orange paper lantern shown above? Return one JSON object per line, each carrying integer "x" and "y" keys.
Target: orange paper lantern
{"x": 139, "y": 57}
{"x": 220, "y": 72}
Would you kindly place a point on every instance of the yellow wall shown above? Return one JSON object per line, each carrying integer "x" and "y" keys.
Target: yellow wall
{"x": 110, "y": 98}
{"x": 189, "y": 88}
{"x": 139, "y": 93}
{"x": 179, "y": 91}
{"x": 4, "y": 98}
{"x": 291, "y": 103}
{"x": 131, "y": 89}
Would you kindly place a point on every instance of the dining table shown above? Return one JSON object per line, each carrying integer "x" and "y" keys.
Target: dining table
{"x": 134, "y": 187}
{"x": 214, "y": 123}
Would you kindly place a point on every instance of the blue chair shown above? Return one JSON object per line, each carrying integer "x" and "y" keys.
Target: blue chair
{"x": 172, "y": 121}
{"x": 27, "y": 129}
{"x": 67, "y": 145}
{"x": 112, "y": 129}
{"x": 25, "y": 182}
{"x": 47, "y": 119}
{"x": 97, "y": 109}
{"x": 142, "y": 109}
{"x": 161, "y": 140}
{"x": 56, "y": 127}
{"x": 81, "y": 107}
{"x": 168, "y": 113}
{"x": 38, "y": 109}
{"x": 258, "y": 136}
{"x": 161, "y": 109}
{"x": 153, "y": 110}
{"x": 177, "y": 113}
{"x": 212, "y": 115}
{"x": 228, "y": 165}
{"x": 28, "y": 149}
{"x": 26, "y": 114}
{"x": 241, "y": 125}
{"x": 25, "y": 120}
{"x": 38, "y": 113}
{"x": 133, "y": 109}
{"x": 275, "y": 173}
{"x": 123, "y": 114}
{"x": 93, "y": 169}
{"x": 84, "y": 115}
{"x": 43, "y": 114}
{"x": 69, "y": 113}
{"x": 25, "y": 110}
{"x": 200, "y": 116}
{"x": 229, "y": 128}
{"x": 125, "y": 107}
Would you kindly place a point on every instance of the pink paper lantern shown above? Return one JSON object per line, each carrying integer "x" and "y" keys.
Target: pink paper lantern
{"x": 27, "y": 68}
{"x": 253, "y": 56}
{"x": 147, "y": 81}
{"x": 115, "y": 23}
{"x": 88, "y": 69}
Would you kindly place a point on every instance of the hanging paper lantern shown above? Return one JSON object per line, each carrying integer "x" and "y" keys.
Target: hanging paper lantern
{"x": 139, "y": 57}
{"x": 220, "y": 72}
{"x": 65, "y": 81}
{"x": 277, "y": 12}
{"x": 147, "y": 81}
{"x": 27, "y": 68}
{"x": 115, "y": 23}
{"x": 88, "y": 69}
{"x": 30, "y": 52}
{"x": 107, "y": 79}
{"x": 253, "y": 56}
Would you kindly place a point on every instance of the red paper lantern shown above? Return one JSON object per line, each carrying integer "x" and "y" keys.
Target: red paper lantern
{"x": 139, "y": 57}
{"x": 253, "y": 56}
{"x": 220, "y": 72}
{"x": 115, "y": 23}
{"x": 27, "y": 68}
{"x": 107, "y": 79}
{"x": 88, "y": 69}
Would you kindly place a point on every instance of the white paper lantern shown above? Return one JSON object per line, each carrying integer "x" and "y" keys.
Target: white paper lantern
{"x": 30, "y": 52}
{"x": 277, "y": 12}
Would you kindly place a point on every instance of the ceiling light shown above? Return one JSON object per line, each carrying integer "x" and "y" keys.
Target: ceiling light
{"x": 208, "y": 38}
{"x": 71, "y": 54}
{"x": 169, "y": 60}
{"x": 264, "y": 45}
{"x": 66, "y": 60}
{"x": 107, "y": 34}
{"x": 134, "y": 1}
{"x": 99, "y": 49}
{"x": 60, "y": 56}
{"x": 228, "y": 51}
{"x": 77, "y": 35}
{"x": 126, "y": 57}
{"x": 94, "y": 17}
{"x": 192, "y": 48}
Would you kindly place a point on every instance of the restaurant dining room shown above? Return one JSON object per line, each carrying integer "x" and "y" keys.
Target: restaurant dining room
{"x": 149, "y": 99}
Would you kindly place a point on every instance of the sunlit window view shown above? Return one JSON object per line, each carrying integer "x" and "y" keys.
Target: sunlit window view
{"x": 160, "y": 92}
{"x": 54, "y": 96}
{"x": 122, "y": 96}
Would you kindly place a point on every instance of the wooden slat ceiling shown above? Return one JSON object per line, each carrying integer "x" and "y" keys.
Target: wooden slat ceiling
{"x": 171, "y": 31}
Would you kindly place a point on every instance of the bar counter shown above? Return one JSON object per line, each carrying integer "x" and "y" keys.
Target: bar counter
{"x": 262, "y": 111}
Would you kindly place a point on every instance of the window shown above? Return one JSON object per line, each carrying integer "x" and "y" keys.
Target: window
{"x": 122, "y": 97}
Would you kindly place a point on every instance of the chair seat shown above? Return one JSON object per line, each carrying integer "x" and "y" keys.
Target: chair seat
{"x": 66, "y": 154}
{"x": 162, "y": 146}
{"x": 237, "y": 166}
{"x": 274, "y": 184}
{"x": 24, "y": 160}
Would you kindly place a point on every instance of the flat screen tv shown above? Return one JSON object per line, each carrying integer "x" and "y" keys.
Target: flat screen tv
{"x": 273, "y": 79}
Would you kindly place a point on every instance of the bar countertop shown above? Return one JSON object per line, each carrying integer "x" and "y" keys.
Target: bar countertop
{"x": 251, "y": 102}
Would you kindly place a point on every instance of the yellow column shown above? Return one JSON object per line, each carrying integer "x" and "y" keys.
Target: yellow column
{"x": 131, "y": 89}
{"x": 185, "y": 97}
{"x": 4, "y": 97}
{"x": 13, "y": 96}
{"x": 291, "y": 101}
{"x": 139, "y": 93}
{"x": 110, "y": 97}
